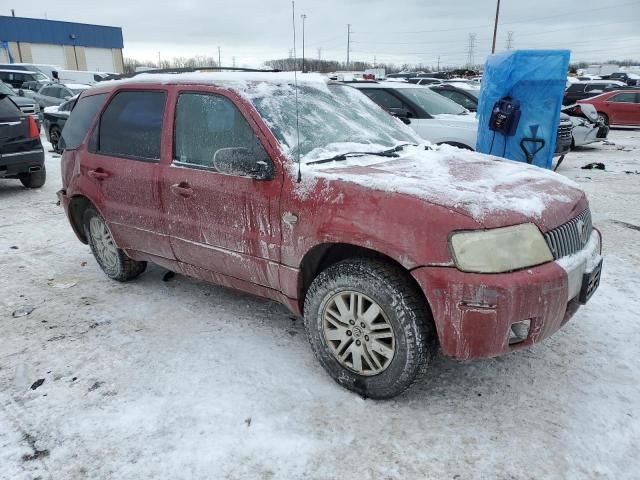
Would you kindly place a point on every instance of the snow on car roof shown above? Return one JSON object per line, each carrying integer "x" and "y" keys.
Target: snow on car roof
{"x": 77, "y": 86}
{"x": 387, "y": 84}
{"x": 237, "y": 78}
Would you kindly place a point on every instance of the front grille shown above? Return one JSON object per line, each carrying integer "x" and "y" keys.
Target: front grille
{"x": 570, "y": 237}
{"x": 564, "y": 132}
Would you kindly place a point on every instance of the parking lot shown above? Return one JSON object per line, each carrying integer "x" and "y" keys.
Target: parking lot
{"x": 175, "y": 378}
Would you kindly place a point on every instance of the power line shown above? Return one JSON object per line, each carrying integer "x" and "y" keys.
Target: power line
{"x": 571, "y": 14}
{"x": 471, "y": 50}
{"x": 509, "y": 40}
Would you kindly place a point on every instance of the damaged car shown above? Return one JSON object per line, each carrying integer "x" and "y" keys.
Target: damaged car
{"x": 587, "y": 126}
{"x": 308, "y": 193}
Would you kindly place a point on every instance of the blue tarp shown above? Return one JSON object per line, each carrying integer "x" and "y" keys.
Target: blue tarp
{"x": 536, "y": 78}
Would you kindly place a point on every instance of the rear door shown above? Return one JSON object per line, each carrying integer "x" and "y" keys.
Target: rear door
{"x": 220, "y": 222}
{"x": 122, "y": 163}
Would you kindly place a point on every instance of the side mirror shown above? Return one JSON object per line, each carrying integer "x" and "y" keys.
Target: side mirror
{"x": 21, "y": 93}
{"x": 241, "y": 162}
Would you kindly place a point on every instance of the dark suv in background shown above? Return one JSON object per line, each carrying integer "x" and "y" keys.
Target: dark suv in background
{"x": 21, "y": 153}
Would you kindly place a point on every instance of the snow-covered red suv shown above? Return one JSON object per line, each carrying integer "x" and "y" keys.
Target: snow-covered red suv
{"x": 388, "y": 247}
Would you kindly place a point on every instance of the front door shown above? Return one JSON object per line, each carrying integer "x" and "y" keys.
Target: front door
{"x": 123, "y": 161}
{"x": 221, "y": 222}
{"x": 624, "y": 108}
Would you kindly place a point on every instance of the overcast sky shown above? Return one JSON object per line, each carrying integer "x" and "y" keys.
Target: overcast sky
{"x": 399, "y": 31}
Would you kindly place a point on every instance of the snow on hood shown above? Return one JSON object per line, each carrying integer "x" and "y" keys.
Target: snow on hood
{"x": 51, "y": 109}
{"x": 475, "y": 184}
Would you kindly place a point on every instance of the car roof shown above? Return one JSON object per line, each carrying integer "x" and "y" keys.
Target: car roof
{"x": 394, "y": 85}
{"x": 586, "y": 82}
{"x": 237, "y": 81}
{"x": 16, "y": 71}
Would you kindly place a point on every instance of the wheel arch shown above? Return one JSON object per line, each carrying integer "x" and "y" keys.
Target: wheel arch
{"x": 324, "y": 255}
{"x": 77, "y": 206}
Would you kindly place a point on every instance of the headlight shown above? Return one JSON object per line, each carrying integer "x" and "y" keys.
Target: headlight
{"x": 500, "y": 249}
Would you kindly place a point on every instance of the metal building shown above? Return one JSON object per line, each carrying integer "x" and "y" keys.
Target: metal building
{"x": 71, "y": 46}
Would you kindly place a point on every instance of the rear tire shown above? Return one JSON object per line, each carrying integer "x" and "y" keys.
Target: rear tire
{"x": 369, "y": 327}
{"x": 34, "y": 179}
{"x": 54, "y": 136}
{"x": 112, "y": 260}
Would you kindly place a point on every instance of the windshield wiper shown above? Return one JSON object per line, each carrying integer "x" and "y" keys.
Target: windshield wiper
{"x": 391, "y": 152}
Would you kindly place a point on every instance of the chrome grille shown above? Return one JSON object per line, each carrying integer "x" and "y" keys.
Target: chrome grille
{"x": 564, "y": 131}
{"x": 570, "y": 237}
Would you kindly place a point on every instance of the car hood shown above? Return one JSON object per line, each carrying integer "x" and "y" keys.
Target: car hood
{"x": 492, "y": 191}
{"x": 51, "y": 109}
{"x": 458, "y": 120}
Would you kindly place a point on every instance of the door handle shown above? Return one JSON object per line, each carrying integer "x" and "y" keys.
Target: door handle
{"x": 182, "y": 189}
{"x": 98, "y": 174}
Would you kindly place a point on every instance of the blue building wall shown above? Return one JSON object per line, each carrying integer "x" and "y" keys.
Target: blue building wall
{"x": 34, "y": 30}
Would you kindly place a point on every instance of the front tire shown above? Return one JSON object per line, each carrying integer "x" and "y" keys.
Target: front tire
{"x": 604, "y": 118}
{"x": 369, "y": 327}
{"x": 112, "y": 260}
{"x": 34, "y": 179}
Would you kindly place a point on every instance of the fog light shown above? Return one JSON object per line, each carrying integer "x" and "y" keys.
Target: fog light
{"x": 519, "y": 331}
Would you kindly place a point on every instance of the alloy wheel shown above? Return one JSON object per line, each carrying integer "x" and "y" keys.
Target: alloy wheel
{"x": 358, "y": 333}
{"x": 105, "y": 249}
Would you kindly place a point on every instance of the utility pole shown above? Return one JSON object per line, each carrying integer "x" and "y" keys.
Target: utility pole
{"x": 509, "y": 40}
{"x": 438, "y": 63}
{"x": 233, "y": 61}
{"x": 219, "y": 63}
{"x": 304, "y": 17}
{"x": 495, "y": 28}
{"x": 471, "y": 49}
{"x": 348, "y": 43}
{"x": 159, "y": 63}
{"x": 320, "y": 54}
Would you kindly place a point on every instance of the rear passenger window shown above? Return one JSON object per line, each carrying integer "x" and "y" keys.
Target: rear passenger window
{"x": 206, "y": 124}
{"x": 131, "y": 125}
{"x": 80, "y": 120}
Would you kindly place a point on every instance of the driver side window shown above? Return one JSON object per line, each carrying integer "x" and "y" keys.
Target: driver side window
{"x": 207, "y": 124}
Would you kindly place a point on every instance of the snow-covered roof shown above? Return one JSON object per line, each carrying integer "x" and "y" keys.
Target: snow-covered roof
{"x": 77, "y": 86}
{"x": 216, "y": 78}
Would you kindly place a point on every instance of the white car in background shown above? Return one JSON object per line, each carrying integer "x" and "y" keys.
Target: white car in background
{"x": 588, "y": 127}
{"x": 432, "y": 116}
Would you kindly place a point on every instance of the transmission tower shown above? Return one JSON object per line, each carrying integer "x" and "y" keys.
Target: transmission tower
{"x": 471, "y": 49}
{"x": 509, "y": 40}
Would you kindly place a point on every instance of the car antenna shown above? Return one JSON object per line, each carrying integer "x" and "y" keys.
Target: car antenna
{"x": 295, "y": 83}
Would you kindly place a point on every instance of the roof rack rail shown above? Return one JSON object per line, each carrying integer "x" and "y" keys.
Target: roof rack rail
{"x": 189, "y": 70}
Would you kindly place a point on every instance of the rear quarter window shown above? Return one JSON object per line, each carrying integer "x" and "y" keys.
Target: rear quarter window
{"x": 8, "y": 109}
{"x": 81, "y": 118}
{"x": 131, "y": 125}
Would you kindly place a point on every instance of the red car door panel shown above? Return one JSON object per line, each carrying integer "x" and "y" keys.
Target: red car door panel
{"x": 222, "y": 222}
{"x": 123, "y": 162}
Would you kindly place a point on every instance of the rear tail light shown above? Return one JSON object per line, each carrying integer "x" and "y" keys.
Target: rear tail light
{"x": 34, "y": 131}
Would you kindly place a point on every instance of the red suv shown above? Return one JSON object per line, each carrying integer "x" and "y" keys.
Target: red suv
{"x": 620, "y": 107}
{"x": 314, "y": 196}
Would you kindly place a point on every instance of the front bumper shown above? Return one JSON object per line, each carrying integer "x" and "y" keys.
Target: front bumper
{"x": 474, "y": 312}
{"x": 17, "y": 163}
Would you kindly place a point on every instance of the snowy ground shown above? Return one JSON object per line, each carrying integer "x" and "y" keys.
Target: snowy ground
{"x": 184, "y": 380}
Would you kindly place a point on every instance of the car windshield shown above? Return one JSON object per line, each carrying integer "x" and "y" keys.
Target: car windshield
{"x": 431, "y": 102}
{"x": 5, "y": 89}
{"x": 333, "y": 119}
